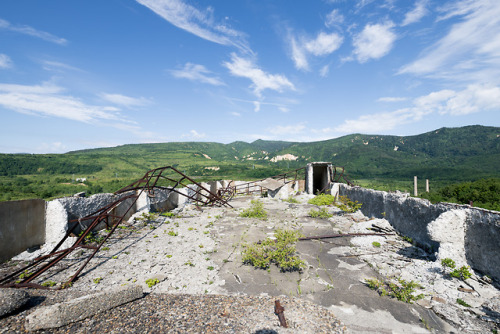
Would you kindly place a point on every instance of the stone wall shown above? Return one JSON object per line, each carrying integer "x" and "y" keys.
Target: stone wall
{"x": 22, "y": 226}
{"x": 467, "y": 235}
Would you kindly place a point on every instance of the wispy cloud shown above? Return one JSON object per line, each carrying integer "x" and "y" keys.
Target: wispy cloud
{"x": 283, "y": 107}
{"x": 245, "y": 68}
{"x": 392, "y": 99}
{"x": 198, "y": 22}
{"x": 50, "y": 65}
{"x": 470, "y": 51}
{"x": 197, "y": 73}
{"x": 323, "y": 44}
{"x": 5, "y": 61}
{"x": 374, "y": 42}
{"x": 281, "y": 130}
{"x": 473, "y": 99}
{"x": 27, "y": 30}
{"x": 125, "y": 101}
{"x": 417, "y": 13}
{"x": 324, "y": 71}
{"x": 50, "y": 101}
{"x": 194, "y": 135}
{"x": 334, "y": 18}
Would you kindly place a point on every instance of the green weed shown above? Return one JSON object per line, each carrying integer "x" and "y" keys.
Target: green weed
{"x": 280, "y": 252}
{"x": 322, "y": 199}
{"x": 463, "y": 273}
{"x": 376, "y": 244}
{"x": 321, "y": 213}
{"x": 461, "y": 302}
{"x": 447, "y": 262}
{"x": 402, "y": 291}
{"x": 256, "y": 210}
{"x": 152, "y": 282}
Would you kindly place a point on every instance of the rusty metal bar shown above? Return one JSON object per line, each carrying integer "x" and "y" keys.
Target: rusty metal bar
{"x": 149, "y": 183}
{"x": 279, "y": 311}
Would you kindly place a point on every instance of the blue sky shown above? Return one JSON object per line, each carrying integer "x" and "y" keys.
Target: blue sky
{"x": 83, "y": 74}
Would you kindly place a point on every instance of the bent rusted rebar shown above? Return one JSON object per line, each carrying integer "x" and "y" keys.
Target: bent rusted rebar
{"x": 148, "y": 183}
{"x": 279, "y": 311}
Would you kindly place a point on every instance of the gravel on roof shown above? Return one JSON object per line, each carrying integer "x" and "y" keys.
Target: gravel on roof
{"x": 183, "y": 313}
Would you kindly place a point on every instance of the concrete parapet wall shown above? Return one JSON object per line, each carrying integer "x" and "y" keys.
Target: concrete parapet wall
{"x": 467, "y": 235}
{"x": 22, "y": 225}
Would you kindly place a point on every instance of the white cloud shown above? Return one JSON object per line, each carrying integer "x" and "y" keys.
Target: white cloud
{"x": 5, "y": 61}
{"x": 256, "y": 105}
{"x": 237, "y": 114}
{"x": 48, "y": 100}
{"x": 416, "y": 14}
{"x": 298, "y": 55}
{"x": 324, "y": 71}
{"x": 126, "y": 101}
{"x": 473, "y": 99}
{"x": 380, "y": 122}
{"x": 374, "y": 42}
{"x": 197, "y": 73}
{"x": 287, "y": 129}
{"x": 58, "y": 66}
{"x": 27, "y": 30}
{"x": 197, "y": 22}
{"x": 243, "y": 67}
{"x": 470, "y": 51}
{"x": 193, "y": 134}
{"x": 391, "y": 99}
{"x": 334, "y": 18}
{"x": 324, "y": 44}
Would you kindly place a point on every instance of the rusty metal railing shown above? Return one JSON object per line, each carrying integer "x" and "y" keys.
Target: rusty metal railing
{"x": 149, "y": 183}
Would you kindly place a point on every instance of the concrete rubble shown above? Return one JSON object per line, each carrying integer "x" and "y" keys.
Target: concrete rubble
{"x": 199, "y": 252}
{"x": 12, "y": 300}
{"x": 61, "y": 314}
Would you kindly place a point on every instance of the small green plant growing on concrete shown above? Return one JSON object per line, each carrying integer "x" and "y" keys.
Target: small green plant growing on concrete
{"x": 168, "y": 256}
{"x": 97, "y": 280}
{"x": 448, "y": 263}
{"x": 322, "y": 199}
{"x": 321, "y": 213}
{"x": 25, "y": 274}
{"x": 291, "y": 199}
{"x": 152, "y": 282}
{"x": 105, "y": 248}
{"x": 402, "y": 291}
{"x": 256, "y": 210}
{"x": 280, "y": 251}
{"x": 463, "y": 303}
{"x": 376, "y": 244}
{"x": 49, "y": 283}
{"x": 407, "y": 239}
{"x": 168, "y": 214}
{"x": 347, "y": 205}
{"x": 189, "y": 263}
{"x": 463, "y": 273}
{"x": 172, "y": 233}
{"x": 210, "y": 268}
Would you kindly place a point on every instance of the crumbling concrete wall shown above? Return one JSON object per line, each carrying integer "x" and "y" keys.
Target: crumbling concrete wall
{"x": 467, "y": 235}
{"x": 22, "y": 225}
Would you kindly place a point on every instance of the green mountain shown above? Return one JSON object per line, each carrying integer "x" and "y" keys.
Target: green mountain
{"x": 445, "y": 156}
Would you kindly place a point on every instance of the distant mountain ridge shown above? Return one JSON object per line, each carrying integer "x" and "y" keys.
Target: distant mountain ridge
{"x": 464, "y": 153}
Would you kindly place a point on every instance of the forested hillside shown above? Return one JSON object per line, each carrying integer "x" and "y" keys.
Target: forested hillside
{"x": 444, "y": 156}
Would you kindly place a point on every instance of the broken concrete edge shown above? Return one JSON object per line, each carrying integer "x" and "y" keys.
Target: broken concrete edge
{"x": 12, "y": 300}
{"x": 78, "y": 309}
{"x": 60, "y": 211}
{"x": 469, "y": 236}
